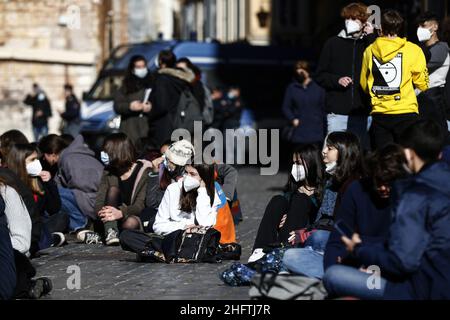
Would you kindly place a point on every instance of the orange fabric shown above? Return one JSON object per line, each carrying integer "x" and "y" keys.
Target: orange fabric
{"x": 225, "y": 224}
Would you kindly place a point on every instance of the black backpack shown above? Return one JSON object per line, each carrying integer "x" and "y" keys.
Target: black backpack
{"x": 188, "y": 111}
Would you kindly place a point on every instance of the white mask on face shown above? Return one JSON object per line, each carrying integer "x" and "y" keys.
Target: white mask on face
{"x": 34, "y": 168}
{"x": 423, "y": 34}
{"x": 298, "y": 172}
{"x": 104, "y": 158}
{"x": 351, "y": 26}
{"x": 190, "y": 183}
{"x": 140, "y": 72}
{"x": 330, "y": 168}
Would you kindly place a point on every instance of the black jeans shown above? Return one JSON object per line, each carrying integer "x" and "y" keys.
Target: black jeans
{"x": 298, "y": 212}
{"x": 7, "y": 263}
{"x": 134, "y": 240}
{"x": 386, "y": 128}
{"x": 432, "y": 106}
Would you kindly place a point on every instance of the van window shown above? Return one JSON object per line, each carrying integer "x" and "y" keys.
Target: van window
{"x": 106, "y": 88}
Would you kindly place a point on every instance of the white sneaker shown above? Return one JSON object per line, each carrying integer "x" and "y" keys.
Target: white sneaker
{"x": 58, "y": 239}
{"x": 112, "y": 237}
{"x": 89, "y": 237}
{"x": 256, "y": 255}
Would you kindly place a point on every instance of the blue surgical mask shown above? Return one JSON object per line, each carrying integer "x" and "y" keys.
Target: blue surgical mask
{"x": 104, "y": 158}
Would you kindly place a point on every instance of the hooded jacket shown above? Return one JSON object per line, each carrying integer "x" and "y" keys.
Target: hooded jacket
{"x": 341, "y": 56}
{"x": 81, "y": 172}
{"x": 391, "y": 69}
{"x": 416, "y": 257}
{"x": 169, "y": 85}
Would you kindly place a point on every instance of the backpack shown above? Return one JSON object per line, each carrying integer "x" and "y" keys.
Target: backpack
{"x": 188, "y": 111}
{"x": 286, "y": 287}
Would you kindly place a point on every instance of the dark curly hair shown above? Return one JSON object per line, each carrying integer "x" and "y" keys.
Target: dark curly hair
{"x": 386, "y": 165}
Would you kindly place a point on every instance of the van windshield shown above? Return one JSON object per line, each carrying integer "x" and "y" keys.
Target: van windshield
{"x": 105, "y": 87}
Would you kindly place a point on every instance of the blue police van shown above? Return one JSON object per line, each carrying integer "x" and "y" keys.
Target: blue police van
{"x": 262, "y": 73}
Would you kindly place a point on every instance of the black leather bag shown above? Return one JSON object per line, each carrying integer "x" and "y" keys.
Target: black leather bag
{"x": 199, "y": 245}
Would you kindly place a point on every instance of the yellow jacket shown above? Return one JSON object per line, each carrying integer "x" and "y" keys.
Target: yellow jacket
{"x": 391, "y": 69}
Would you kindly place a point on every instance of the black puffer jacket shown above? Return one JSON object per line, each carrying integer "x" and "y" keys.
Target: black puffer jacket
{"x": 342, "y": 57}
{"x": 168, "y": 86}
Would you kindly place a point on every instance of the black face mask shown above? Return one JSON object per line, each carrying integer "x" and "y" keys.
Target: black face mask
{"x": 178, "y": 172}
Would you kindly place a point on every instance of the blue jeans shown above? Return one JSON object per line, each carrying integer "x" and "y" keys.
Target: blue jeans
{"x": 304, "y": 261}
{"x": 359, "y": 125}
{"x": 318, "y": 240}
{"x": 69, "y": 205}
{"x": 341, "y": 281}
{"x": 39, "y": 132}
{"x": 308, "y": 261}
{"x": 337, "y": 122}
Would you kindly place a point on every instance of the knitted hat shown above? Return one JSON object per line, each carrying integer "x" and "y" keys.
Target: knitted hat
{"x": 180, "y": 152}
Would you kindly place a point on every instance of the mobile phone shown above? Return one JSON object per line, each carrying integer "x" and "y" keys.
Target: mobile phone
{"x": 344, "y": 229}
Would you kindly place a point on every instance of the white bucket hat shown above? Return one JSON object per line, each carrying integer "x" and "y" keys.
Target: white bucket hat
{"x": 180, "y": 152}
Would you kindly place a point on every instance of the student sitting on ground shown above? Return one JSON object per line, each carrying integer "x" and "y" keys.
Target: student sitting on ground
{"x": 78, "y": 176}
{"x": 19, "y": 228}
{"x": 7, "y": 141}
{"x": 415, "y": 259}
{"x": 23, "y": 161}
{"x": 342, "y": 156}
{"x": 190, "y": 202}
{"x": 121, "y": 195}
{"x": 366, "y": 206}
{"x": 170, "y": 168}
{"x": 297, "y": 207}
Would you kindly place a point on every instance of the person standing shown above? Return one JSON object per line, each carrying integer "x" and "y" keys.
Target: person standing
{"x": 432, "y": 102}
{"x": 71, "y": 116}
{"x": 392, "y": 68}
{"x": 41, "y": 111}
{"x": 304, "y": 107}
{"x": 131, "y": 101}
{"x": 339, "y": 69}
{"x": 170, "y": 82}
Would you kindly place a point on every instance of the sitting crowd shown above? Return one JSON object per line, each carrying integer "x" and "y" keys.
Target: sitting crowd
{"x": 345, "y": 215}
{"x": 58, "y": 187}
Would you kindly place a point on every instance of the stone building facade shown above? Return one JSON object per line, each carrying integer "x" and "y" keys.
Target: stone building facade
{"x": 52, "y": 43}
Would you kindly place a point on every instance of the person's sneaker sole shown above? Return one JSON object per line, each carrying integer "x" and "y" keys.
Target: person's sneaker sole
{"x": 61, "y": 239}
{"x": 113, "y": 242}
{"x": 81, "y": 236}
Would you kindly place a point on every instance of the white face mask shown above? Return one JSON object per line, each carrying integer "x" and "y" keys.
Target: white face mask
{"x": 330, "y": 168}
{"x": 190, "y": 183}
{"x": 351, "y": 26}
{"x": 34, "y": 168}
{"x": 104, "y": 158}
{"x": 423, "y": 34}
{"x": 298, "y": 172}
{"x": 140, "y": 72}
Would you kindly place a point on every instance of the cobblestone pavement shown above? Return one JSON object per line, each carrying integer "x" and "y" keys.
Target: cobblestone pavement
{"x": 110, "y": 273}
